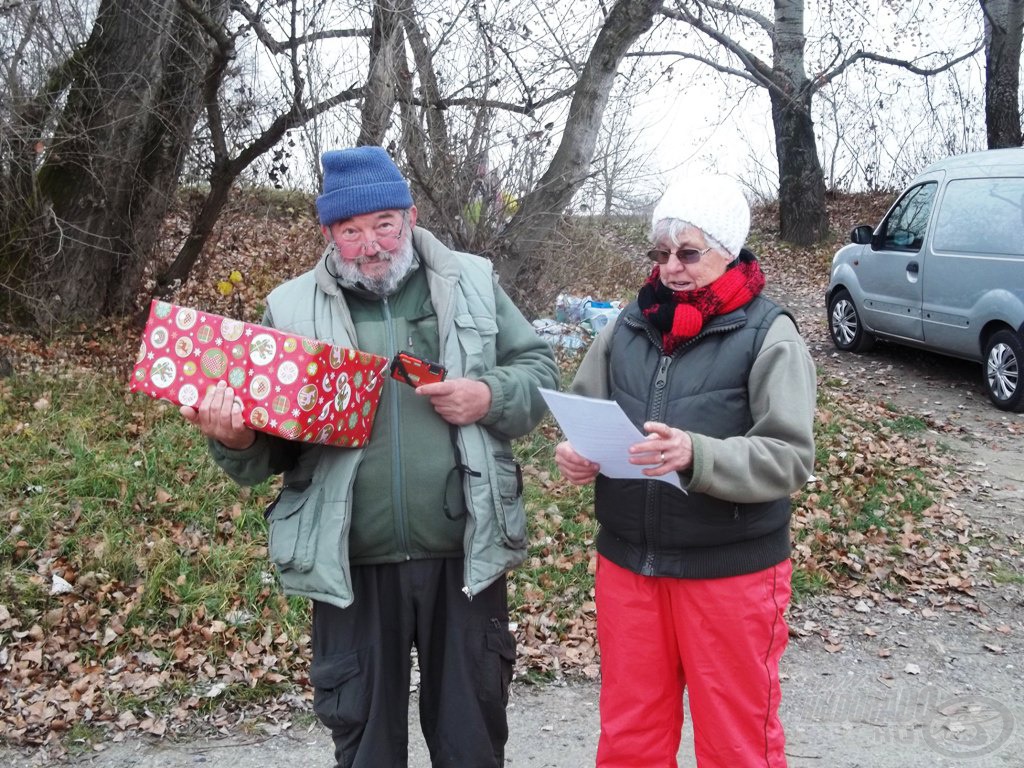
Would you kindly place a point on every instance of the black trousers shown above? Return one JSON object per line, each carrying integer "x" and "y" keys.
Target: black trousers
{"x": 361, "y": 667}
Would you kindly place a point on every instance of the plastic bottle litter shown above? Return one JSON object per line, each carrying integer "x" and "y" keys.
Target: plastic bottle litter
{"x": 597, "y": 314}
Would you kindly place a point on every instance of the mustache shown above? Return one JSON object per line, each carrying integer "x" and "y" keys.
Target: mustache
{"x": 373, "y": 257}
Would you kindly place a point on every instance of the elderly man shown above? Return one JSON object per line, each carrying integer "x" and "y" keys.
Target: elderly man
{"x": 406, "y": 541}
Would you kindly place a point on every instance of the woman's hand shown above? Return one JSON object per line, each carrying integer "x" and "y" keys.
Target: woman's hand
{"x": 220, "y": 416}
{"x": 574, "y": 468}
{"x": 666, "y": 449}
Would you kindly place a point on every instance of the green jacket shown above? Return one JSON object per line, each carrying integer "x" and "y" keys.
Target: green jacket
{"x": 480, "y": 335}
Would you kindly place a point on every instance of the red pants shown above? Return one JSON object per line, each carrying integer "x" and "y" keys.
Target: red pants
{"x": 720, "y": 638}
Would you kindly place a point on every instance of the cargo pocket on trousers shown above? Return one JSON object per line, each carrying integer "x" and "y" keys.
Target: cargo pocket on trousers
{"x": 494, "y": 670}
{"x": 340, "y": 695}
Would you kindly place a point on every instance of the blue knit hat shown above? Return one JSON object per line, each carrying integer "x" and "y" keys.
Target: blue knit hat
{"x": 360, "y": 180}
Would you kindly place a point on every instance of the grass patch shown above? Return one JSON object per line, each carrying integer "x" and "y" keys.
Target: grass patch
{"x": 906, "y": 425}
{"x": 1003, "y": 575}
{"x": 165, "y": 556}
{"x": 556, "y": 579}
{"x": 870, "y": 509}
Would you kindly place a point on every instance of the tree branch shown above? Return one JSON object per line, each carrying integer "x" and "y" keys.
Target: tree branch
{"x": 762, "y": 21}
{"x": 252, "y": 18}
{"x": 757, "y": 68}
{"x": 703, "y": 60}
{"x": 826, "y": 77}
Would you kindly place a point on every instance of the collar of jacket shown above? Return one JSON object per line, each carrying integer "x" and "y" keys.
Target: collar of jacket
{"x": 730, "y": 321}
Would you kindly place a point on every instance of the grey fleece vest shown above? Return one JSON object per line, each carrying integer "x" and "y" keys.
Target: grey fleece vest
{"x": 650, "y": 527}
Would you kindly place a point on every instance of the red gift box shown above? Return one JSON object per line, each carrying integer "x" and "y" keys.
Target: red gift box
{"x": 289, "y": 385}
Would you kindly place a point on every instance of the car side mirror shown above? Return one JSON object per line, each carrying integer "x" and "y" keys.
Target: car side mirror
{"x": 861, "y": 235}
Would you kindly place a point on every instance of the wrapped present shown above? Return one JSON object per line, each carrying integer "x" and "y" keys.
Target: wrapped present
{"x": 289, "y": 385}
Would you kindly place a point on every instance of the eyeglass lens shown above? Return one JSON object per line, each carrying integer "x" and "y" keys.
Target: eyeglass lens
{"x": 685, "y": 255}
{"x": 385, "y": 235}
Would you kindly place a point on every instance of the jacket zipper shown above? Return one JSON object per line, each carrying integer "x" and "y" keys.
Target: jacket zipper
{"x": 397, "y": 501}
{"x": 655, "y": 412}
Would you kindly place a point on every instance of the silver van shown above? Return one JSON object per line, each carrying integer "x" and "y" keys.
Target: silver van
{"x": 943, "y": 271}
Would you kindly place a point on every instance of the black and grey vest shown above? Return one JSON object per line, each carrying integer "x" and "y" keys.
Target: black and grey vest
{"x": 650, "y": 527}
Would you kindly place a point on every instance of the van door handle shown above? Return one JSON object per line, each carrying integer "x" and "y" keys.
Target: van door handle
{"x": 912, "y": 268}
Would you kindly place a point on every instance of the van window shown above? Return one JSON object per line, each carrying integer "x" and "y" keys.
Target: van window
{"x": 904, "y": 229}
{"x": 981, "y": 216}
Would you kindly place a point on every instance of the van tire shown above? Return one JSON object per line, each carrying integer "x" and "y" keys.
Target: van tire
{"x": 845, "y": 326}
{"x": 1004, "y": 355}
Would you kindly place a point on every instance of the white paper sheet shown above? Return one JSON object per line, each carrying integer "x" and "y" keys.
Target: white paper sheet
{"x": 600, "y": 431}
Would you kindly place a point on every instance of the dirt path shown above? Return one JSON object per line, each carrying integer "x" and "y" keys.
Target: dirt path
{"x": 884, "y": 685}
{"x": 910, "y": 685}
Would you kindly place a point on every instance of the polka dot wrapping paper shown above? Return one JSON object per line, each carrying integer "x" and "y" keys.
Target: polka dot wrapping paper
{"x": 291, "y": 386}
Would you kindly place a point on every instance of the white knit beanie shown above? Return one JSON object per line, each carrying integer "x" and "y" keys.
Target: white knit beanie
{"x": 715, "y": 204}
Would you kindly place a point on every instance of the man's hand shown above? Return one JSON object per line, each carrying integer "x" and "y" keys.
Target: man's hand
{"x": 220, "y": 417}
{"x": 458, "y": 401}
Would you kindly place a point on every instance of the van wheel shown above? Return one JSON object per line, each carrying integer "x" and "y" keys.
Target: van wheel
{"x": 844, "y": 324}
{"x": 1004, "y": 354}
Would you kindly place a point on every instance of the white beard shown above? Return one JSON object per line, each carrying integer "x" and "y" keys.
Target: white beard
{"x": 400, "y": 261}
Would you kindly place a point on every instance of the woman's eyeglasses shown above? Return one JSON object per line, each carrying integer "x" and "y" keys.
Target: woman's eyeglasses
{"x": 685, "y": 255}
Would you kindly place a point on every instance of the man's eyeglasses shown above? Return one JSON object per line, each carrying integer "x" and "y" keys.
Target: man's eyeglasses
{"x": 386, "y": 235}
{"x": 685, "y": 255}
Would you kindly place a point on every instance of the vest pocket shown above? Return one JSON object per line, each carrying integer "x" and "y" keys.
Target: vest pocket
{"x": 476, "y": 337}
{"x": 294, "y": 517}
{"x": 510, "y": 507}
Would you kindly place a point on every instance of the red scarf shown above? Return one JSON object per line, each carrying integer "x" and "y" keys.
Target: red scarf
{"x": 680, "y": 315}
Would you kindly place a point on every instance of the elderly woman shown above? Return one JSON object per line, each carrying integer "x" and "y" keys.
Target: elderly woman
{"x": 692, "y": 586}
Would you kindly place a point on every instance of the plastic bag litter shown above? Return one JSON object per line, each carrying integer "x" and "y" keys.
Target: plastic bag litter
{"x": 558, "y": 334}
{"x": 577, "y": 318}
{"x": 569, "y": 309}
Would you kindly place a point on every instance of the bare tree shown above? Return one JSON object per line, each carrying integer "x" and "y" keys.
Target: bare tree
{"x": 115, "y": 138}
{"x": 620, "y": 167}
{"x": 114, "y": 163}
{"x": 448, "y": 90}
{"x": 803, "y": 218}
{"x": 299, "y": 108}
{"x": 127, "y": 102}
{"x": 540, "y": 210}
{"x": 1004, "y": 28}
{"x": 36, "y": 70}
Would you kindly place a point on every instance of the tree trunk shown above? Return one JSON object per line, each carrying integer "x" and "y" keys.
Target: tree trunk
{"x": 540, "y": 210}
{"x": 803, "y": 217}
{"x": 22, "y": 218}
{"x": 1004, "y": 28}
{"x": 386, "y": 49}
{"x": 203, "y": 223}
{"x": 113, "y": 166}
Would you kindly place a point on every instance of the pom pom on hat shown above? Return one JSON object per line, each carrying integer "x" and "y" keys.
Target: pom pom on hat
{"x": 715, "y": 204}
{"x": 360, "y": 180}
